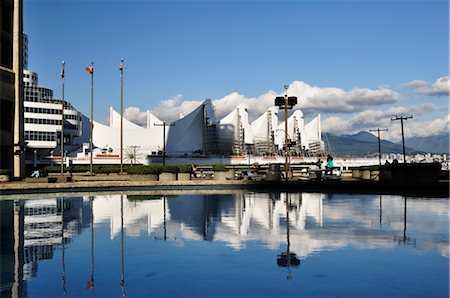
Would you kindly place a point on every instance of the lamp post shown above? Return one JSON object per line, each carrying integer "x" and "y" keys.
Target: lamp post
{"x": 403, "y": 135}
{"x": 286, "y": 103}
{"x": 164, "y": 124}
{"x": 379, "y": 142}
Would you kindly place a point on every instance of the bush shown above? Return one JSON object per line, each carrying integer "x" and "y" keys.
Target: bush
{"x": 142, "y": 170}
{"x": 184, "y": 168}
{"x": 171, "y": 169}
{"x": 219, "y": 167}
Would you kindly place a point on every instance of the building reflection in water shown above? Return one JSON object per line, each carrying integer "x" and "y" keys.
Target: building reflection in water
{"x": 32, "y": 230}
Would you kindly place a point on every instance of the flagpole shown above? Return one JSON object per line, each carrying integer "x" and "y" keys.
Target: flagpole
{"x": 92, "y": 115}
{"x": 121, "y": 116}
{"x": 62, "y": 117}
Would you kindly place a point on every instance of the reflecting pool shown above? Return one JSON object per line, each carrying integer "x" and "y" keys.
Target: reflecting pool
{"x": 233, "y": 244}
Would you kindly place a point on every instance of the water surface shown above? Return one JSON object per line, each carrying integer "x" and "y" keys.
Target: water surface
{"x": 240, "y": 244}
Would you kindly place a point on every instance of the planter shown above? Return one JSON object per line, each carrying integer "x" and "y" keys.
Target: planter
{"x": 167, "y": 176}
{"x": 366, "y": 175}
{"x": 146, "y": 177}
{"x": 184, "y": 176}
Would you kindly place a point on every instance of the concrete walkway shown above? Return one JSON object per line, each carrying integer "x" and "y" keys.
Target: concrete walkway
{"x": 125, "y": 183}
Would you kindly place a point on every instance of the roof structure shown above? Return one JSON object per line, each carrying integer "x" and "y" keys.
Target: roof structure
{"x": 233, "y": 134}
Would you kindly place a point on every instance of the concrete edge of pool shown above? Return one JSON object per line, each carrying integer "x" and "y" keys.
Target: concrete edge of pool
{"x": 439, "y": 189}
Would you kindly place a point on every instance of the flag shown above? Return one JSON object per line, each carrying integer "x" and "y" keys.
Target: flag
{"x": 62, "y": 70}
{"x": 90, "y": 69}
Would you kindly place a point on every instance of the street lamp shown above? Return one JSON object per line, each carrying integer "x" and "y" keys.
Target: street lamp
{"x": 286, "y": 103}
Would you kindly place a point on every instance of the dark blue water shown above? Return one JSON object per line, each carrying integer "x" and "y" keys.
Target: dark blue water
{"x": 241, "y": 244}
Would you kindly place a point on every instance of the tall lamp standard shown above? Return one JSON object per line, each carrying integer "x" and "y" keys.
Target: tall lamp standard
{"x": 121, "y": 116}
{"x": 164, "y": 124}
{"x": 286, "y": 103}
{"x": 403, "y": 135}
{"x": 379, "y": 142}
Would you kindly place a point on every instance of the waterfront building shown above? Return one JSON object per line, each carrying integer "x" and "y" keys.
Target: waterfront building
{"x": 42, "y": 118}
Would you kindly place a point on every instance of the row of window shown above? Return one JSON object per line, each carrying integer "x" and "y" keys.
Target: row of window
{"x": 42, "y": 111}
{"x": 40, "y": 136}
{"x": 28, "y": 76}
{"x": 43, "y": 121}
{"x": 72, "y": 117}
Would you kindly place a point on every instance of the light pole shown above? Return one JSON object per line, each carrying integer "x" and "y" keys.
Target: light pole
{"x": 164, "y": 124}
{"x": 379, "y": 142}
{"x": 286, "y": 103}
{"x": 403, "y": 135}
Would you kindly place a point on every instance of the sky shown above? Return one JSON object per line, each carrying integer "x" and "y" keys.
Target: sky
{"x": 356, "y": 63}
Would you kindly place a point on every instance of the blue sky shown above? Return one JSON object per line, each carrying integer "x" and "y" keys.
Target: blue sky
{"x": 348, "y": 60}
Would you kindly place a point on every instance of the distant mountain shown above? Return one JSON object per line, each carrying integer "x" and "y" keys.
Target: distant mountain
{"x": 361, "y": 144}
{"x": 432, "y": 144}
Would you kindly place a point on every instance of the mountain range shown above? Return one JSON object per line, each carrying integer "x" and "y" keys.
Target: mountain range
{"x": 366, "y": 144}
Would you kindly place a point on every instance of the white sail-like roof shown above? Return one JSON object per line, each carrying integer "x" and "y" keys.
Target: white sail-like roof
{"x": 188, "y": 133}
{"x": 260, "y": 127}
{"x": 114, "y": 120}
{"x": 238, "y": 118}
{"x": 313, "y": 131}
{"x": 296, "y": 125}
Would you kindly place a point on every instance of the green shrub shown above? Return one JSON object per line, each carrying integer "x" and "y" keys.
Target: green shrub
{"x": 184, "y": 168}
{"x": 219, "y": 167}
{"x": 142, "y": 170}
{"x": 171, "y": 169}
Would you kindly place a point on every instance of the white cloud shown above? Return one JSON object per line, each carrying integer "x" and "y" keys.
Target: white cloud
{"x": 336, "y": 100}
{"x": 441, "y": 87}
{"x": 310, "y": 98}
{"x": 414, "y": 84}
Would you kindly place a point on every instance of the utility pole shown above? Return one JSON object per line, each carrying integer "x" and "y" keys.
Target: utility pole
{"x": 403, "y": 135}
{"x": 379, "y": 141}
{"x": 164, "y": 124}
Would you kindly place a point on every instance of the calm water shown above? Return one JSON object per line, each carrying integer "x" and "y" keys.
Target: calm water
{"x": 240, "y": 244}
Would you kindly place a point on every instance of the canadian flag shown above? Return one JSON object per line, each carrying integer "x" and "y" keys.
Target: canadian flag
{"x": 90, "y": 69}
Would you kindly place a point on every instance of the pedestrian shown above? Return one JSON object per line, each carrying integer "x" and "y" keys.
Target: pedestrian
{"x": 329, "y": 162}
